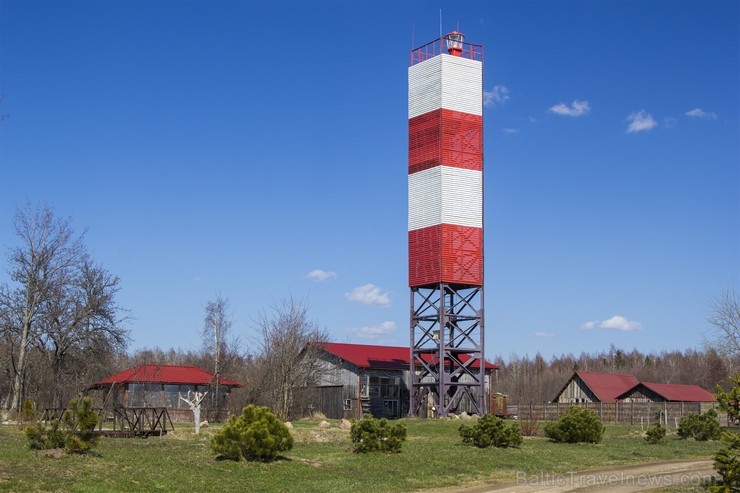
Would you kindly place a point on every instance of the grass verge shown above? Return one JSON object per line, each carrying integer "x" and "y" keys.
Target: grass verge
{"x": 321, "y": 462}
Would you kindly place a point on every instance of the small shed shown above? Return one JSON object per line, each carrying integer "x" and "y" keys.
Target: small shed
{"x": 587, "y": 386}
{"x": 666, "y": 392}
{"x": 152, "y": 385}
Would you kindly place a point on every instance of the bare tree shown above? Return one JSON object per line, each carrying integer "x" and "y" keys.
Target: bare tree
{"x": 216, "y": 332}
{"x": 724, "y": 335}
{"x": 47, "y": 253}
{"x": 289, "y": 343}
{"x": 80, "y": 317}
{"x": 62, "y": 304}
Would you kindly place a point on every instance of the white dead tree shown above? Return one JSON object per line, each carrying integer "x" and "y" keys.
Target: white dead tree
{"x": 194, "y": 404}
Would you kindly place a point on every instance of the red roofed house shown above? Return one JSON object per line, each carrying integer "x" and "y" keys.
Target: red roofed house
{"x": 666, "y": 392}
{"x": 359, "y": 378}
{"x": 161, "y": 386}
{"x": 587, "y": 386}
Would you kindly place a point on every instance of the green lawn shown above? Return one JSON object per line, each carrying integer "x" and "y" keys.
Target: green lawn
{"x": 321, "y": 461}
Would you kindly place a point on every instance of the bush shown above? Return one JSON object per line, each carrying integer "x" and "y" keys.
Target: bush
{"x": 377, "y": 435}
{"x": 727, "y": 464}
{"x": 255, "y": 435}
{"x": 655, "y": 434}
{"x": 490, "y": 431}
{"x": 700, "y": 427}
{"x": 80, "y": 421}
{"x": 530, "y": 426}
{"x": 75, "y": 432}
{"x": 27, "y": 413}
{"x": 575, "y": 426}
{"x": 727, "y": 459}
{"x": 42, "y": 438}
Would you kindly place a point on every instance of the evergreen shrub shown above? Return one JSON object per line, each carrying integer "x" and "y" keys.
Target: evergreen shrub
{"x": 75, "y": 432}
{"x": 491, "y": 431}
{"x": 377, "y": 435}
{"x": 655, "y": 434}
{"x": 575, "y": 426}
{"x": 727, "y": 463}
{"x": 700, "y": 427}
{"x": 727, "y": 459}
{"x": 255, "y": 435}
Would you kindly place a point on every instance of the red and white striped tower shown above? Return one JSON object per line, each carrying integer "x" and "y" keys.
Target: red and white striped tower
{"x": 445, "y": 228}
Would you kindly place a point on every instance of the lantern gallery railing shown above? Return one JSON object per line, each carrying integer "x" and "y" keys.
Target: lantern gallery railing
{"x": 452, "y": 43}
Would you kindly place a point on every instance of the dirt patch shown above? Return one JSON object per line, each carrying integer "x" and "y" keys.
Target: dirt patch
{"x": 330, "y": 435}
{"x": 54, "y": 453}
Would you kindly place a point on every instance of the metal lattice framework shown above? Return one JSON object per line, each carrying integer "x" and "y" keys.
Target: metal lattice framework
{"x": 447, "y": 349}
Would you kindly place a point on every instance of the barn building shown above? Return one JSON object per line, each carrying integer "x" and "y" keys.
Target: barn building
{"x": 357, "y": 379}
{"x": 586, "y": 386}
{"x": 161, "y": 386}
{"x": 666, "y": 392}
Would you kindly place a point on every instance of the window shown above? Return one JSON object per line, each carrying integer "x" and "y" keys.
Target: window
{"x": 347, "y": 404}
{"x": 390, "y": 408}
{"x": 385, "y": 387}
{"x": 144, "y": 395}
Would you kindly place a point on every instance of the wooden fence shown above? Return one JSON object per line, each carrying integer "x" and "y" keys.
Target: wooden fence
{"x": 615, "y": 412}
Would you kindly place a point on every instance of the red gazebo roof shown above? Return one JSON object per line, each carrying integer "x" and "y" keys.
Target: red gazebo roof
{"x": 163, "y": 374}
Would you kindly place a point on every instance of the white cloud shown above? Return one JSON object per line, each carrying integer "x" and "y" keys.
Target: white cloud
{"x": 369, "y": 294}
{"x": 374, "y": 331}
{"x": 640, "y": 121}
{"x": 617, "y": 322}
{"x": 700, "y": 113}
{"x": 510, "y": 131}
{"x": 497, "y": 95}
{"x": 577, "y": 108}
{"x": 544, "y": 334}
{"x": 318, "y": 275}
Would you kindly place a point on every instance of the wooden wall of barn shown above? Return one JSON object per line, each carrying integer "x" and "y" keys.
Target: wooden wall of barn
{"x": 576, "y": 391}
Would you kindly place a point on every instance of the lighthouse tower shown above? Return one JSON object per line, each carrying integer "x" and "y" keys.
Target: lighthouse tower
{"x": 445, "y": 227}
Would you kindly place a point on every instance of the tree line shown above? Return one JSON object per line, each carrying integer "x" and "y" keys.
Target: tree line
{"x": 533, "y": 379}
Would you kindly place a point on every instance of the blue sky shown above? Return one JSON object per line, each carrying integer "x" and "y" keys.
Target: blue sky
{"x": 259, "y": 149}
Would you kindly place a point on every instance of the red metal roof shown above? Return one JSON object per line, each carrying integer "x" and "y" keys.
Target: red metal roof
{"x": 386, "y": 357}
{"x": 606, "y": 386}
{"x": 164, "y": 374}
{"x": 675, "y": 392}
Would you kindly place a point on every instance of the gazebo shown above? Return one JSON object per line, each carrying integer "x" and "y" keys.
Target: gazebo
{"x": 160, "y": 386}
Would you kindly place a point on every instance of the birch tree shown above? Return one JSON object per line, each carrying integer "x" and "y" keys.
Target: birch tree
{"x": 216, "y": 331}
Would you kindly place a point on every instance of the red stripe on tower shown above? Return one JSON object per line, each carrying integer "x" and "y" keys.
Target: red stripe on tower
{"x": 445, "y": 228}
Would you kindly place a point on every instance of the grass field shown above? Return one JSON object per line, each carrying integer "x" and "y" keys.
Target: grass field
{"x": 321, "y": 461}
